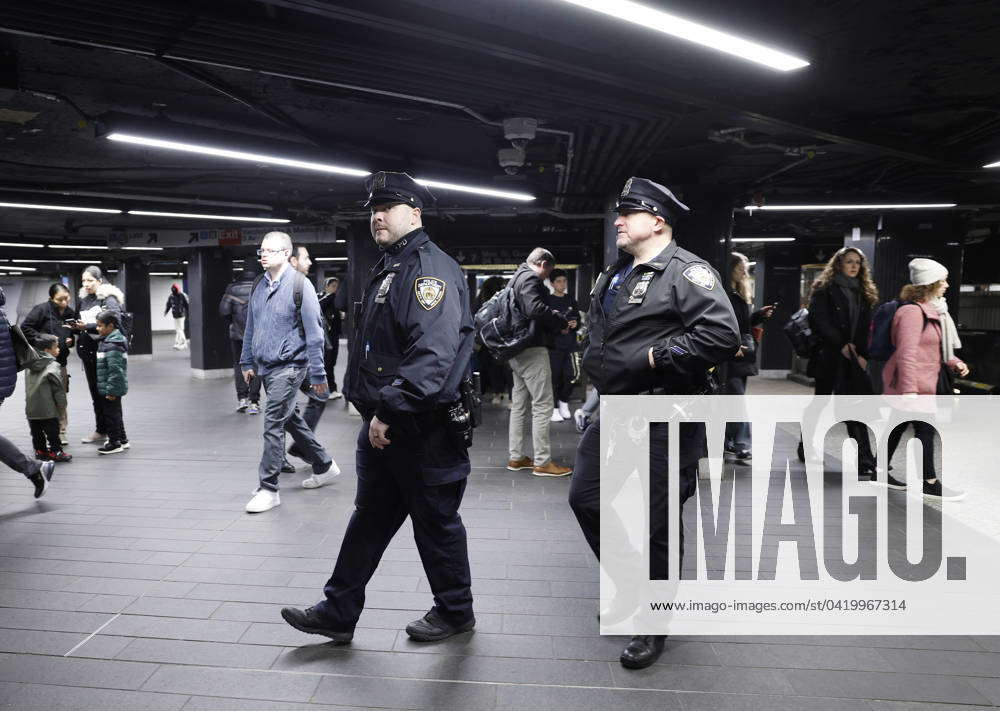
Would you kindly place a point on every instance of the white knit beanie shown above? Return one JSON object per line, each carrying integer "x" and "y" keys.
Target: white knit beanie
{"x": 926, "y": 271}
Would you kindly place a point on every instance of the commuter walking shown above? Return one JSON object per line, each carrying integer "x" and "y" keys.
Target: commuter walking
{"x": 532, "y": 394}
{"x": 53, "y": 317}
{"x": 45, "y": 398}
{"x": 283, "y": 343}
{"x": 923, "y": 363}
{"x": 96, "y": 296}
{"x": 178, "y": 307}
{"x": 301, "y": 262}
{"x": 334, "y": 320}
{"x": 563, "y": 359}
{"x": 37, "y": 472}
{"x": 743, "y": 363}
{"x": 840, "y": 311}
{"x": 233, "y": 310}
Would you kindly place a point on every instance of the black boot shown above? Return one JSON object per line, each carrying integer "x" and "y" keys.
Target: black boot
{"x": 640, "y": 652}
{"x": 310, "y": 622}
{"x": 432, "y": 627}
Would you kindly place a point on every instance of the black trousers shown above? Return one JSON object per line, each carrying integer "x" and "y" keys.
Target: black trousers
{"x": 390, "y": 488}
{"x": 250, "y": 392}
{"x": 330, "y": 361}
{"x": 114, "y": 424}
{"x": 923, "y": 432}
{"x": 585, "y": 496}
{"x": 45, "y": 429}
{"x": 565, "y": 372}
{"x": 855, "y": 429}
{"x": 89, "y": 360}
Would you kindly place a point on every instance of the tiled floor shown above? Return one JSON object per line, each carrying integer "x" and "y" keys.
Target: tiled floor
{"x": 139, "y": 583}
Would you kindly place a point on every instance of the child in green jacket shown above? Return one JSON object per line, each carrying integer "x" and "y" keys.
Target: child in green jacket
{"x": 44, "y": 399}
{"x": 112, "y": 380}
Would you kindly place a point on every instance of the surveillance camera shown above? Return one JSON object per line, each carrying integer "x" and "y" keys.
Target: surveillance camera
{"x": 519, "y": 131}
{"x": 511, "y": 159}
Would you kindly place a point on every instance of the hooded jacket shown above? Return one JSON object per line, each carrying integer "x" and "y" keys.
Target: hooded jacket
{"x": 915, "y": 365}
{"x": 108, "y": 297}
{"x": 43, "y": 388}
{"x": 112, "y": 365}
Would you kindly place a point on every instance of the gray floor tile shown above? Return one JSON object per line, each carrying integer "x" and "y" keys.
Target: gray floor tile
{"x": 36, "y": 697}
{"x": 798, "y": 656}
{"x": 172, "y": 607}
{"x": 879, "y": 685}
{"x": 517, "y": 698}
{"x": 678, "y": 677}
{"x": 176, "y": 628}
{"x": 38, "y": 641}
{"x": 695, "y": 701}
{"x": 206, "y": 703}
{"x": 381, "y": 640}
{"x": 405, "y": 694}
{"x": 69, "y": 671}
{"x": 219, "y": 654}
{"x": 233, "y": 683}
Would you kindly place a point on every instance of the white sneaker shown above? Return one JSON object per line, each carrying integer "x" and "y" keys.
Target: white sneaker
{"x": 317, "y": 480}
{"x": 242, "y": 405}
{"x": 336, "y": 395}
{"x": 94, "y": 439}
{"x": 253, "y": 409}
{"x": 556, "y": 416}
{"x": 497, "y": 400}
{"x": 564, "y": 410}
{"x": 263, "y": 500}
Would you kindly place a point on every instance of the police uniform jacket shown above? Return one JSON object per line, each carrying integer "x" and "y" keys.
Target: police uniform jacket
{"x": 413, "y": 342}
{"x": 675, "y": 304}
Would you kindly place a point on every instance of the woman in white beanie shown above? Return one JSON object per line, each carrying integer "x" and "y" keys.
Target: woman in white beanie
{"x": 925, "y": 340}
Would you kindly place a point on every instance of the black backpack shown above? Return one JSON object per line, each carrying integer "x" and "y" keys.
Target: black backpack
{"x": 501, "y": 326}
{"x": 880, "y": 345}
{"x": 126, "y": 322}
{"x": 805, "y": 343}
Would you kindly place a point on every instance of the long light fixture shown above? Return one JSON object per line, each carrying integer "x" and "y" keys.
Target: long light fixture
{"x": 21, "y": 244}
{"x": 229, "y": 218}
{"x": 144, "y": 249}
{"x": 170, "y": 274}
{"x": 11, "y": 268}
{"x": 153, "y": 142}
{"x": 50, "y": 261}
{"x": 64, "y": 208}
{"x": 694, "y": 32}
{"x": 762, "y": 239}
{"x": 992, "y": 165}
{"x": 330, "y": 259}
{"x": 78, "y": 246}
{"x": 880, "y": 206}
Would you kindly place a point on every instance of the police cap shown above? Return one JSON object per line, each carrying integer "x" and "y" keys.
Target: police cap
{"x": 385, "y": 187}
{"x": 646, "y": 195}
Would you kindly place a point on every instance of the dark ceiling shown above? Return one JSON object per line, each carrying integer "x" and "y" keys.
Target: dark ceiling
{"x": 900, "y": 103}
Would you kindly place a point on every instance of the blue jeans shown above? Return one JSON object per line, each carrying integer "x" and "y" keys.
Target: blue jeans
{"x": 281, "y": 416}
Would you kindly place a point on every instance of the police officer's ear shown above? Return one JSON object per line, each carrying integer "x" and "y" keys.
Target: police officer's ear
{"x": 415, "y": 216}
{"x": 660, "y": 225}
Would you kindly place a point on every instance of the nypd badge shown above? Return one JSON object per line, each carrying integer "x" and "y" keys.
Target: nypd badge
{"x": 700, "y": 275}
{"x": 383, "y": 288}
{"x": 429, "y": 291}
{"x": 379, "y": 182}
{"x": 628, "y": 186}
{"x": 640, "y": 289}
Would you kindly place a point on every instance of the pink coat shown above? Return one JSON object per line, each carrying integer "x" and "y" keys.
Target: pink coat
{"x": 915, "y": 365}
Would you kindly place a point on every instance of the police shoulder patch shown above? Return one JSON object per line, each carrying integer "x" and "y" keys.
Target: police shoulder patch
{"x": 429, "y": 291}
{"x": 700, "y": 275}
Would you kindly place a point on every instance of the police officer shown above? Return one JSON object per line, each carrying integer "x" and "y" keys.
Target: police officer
{"x": 411, "y": 350}
{"x": 659, "y": 320}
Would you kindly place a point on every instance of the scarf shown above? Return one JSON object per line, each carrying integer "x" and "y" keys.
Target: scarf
{"x": 950, "y": 342}
{"x": 851, "y": 287}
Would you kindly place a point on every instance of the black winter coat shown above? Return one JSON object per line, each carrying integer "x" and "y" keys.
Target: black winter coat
{"x": 533, "y": 298}
{"x": 747, "y": 365}
{"x": 45, "y": 318}
{"x": 830, "y": 318}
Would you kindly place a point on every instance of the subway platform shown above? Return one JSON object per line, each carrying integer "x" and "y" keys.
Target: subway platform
{"x": 138, "y": 582}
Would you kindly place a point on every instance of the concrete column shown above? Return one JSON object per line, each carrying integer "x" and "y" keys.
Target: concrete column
{"x": 133, "y": 280}
{"x": 209, "y": 272}
{"x": 708, "y": 228}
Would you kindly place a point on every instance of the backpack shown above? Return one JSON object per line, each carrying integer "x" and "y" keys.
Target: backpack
{"x": 126, "y": 322}
{"x": 501, "y": 326}
{"x": 805, "y": 343}
{"x": 880, "y": 345}
{"x": 296, "y": 299}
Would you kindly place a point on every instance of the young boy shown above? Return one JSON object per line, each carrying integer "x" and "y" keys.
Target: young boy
{"x": 112, "y": 380}
{"x": 45, "y": 399}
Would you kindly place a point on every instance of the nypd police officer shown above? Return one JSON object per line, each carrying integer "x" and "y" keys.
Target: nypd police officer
{"x": 659, "y": 320}
{"x": 411, "y": 350}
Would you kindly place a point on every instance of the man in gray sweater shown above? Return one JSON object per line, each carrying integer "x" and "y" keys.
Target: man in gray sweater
{"x": 283, "y": 344}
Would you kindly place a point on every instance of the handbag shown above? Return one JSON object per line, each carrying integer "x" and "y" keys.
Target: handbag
{"x": 24, "y": 353}
{"x": 946, "y": 380}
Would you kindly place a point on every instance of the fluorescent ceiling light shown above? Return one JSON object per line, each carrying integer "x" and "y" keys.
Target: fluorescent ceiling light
{"x": 292, "y": 163}
{"x": 11, "y": 268}
{"x": 694, "y": 32}
{"x": 20, "y": 244}
{"x": 762, "y": 239}
{"x": 144, "y": 249}
{"x": 64, "y": 208}
{"x": 884, "y": 206}
{"x": 50, "y": 261}
{"x": 992, "y": 165}
{"x": 164, "y": 274}
{"x": 330, "y": 259}
{"x": 78, "y": 246}
{"x": 230, "y": 218}
{"x": 340, "y": 241}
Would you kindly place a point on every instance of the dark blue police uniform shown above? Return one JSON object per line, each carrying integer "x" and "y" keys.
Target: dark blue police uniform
{"x": 411, "y": 349}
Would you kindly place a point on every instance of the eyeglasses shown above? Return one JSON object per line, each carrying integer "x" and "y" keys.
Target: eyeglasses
{"x": 262, "y": 252}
